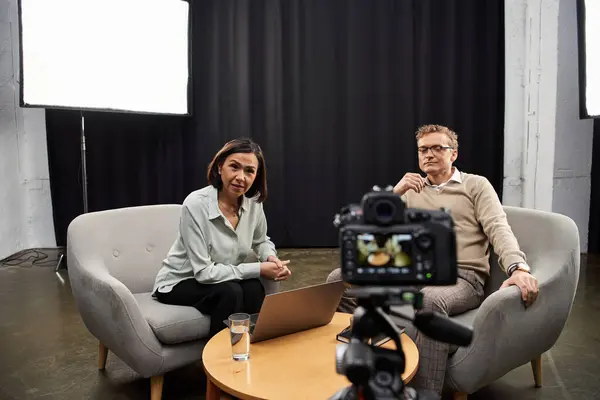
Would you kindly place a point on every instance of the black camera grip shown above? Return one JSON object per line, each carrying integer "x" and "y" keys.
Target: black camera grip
{"x": 443, "y": 329}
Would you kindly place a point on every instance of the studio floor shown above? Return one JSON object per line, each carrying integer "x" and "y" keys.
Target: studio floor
{"x": 47, "y": 353}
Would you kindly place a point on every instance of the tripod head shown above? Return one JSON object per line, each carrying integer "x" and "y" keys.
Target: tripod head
{"x": 375, "y": 372}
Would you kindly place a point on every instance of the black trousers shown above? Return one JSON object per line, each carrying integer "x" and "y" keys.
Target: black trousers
{"x": 218, "y": 300}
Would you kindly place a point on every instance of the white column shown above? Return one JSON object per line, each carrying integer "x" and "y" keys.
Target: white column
{"x": 547, "y": 160}
{"x": 573, "y": 144}
{"x": 515, "y": 111}
{"x": 531, "y": 64}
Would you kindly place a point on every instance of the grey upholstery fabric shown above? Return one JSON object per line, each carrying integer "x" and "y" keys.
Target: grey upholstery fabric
{"x": 113, "y": 258}
{"x": 506, "y": 335}
{"x": 172, "y": 324}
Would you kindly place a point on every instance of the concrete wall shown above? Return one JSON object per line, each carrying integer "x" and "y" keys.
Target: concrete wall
{"x": 548, "y": 150}
{"x": 573, "y": 144}
{"x": 25, "y": 204}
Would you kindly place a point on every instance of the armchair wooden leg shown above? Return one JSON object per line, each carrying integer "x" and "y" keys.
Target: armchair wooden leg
{"x": 156, "y": 387}
{"x": 536, "y": 366}
{"x": 102, "y": 355}
{"x": 460, "y": 396}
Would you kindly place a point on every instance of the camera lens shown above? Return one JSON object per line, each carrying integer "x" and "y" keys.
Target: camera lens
{"x": 384, "y": 210}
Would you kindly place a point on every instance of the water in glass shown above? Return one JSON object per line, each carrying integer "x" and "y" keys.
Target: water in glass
{"x": 240, "y": 342}
{"x": 240, "y": 336}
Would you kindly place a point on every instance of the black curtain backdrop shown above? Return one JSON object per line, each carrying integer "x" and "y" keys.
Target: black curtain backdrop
{"x": 594, "y": 224}
{"x": 332, "y": 90}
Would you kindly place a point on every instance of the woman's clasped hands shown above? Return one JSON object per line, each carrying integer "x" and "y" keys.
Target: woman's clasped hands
{"x": 275, "y": 269}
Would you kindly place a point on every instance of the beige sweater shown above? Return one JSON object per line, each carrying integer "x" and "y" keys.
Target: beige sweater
{"x": 479, "y": 221}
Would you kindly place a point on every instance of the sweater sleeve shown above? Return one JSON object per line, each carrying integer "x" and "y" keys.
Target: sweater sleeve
{"x": 205, "y": 270}
{"x": 490, "y": 214}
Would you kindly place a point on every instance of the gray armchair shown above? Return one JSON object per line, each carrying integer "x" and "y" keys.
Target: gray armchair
{"x": 551, "y": 243}
{"x": 114, "y": 257}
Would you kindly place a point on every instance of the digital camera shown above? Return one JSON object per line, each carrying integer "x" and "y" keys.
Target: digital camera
{"x": 384, "y": 243}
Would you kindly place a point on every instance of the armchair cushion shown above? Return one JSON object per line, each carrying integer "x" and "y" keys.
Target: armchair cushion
{"x": 172, "y": 324}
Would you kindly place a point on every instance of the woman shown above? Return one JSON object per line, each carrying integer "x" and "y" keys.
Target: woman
{"x": 220, "y": 225}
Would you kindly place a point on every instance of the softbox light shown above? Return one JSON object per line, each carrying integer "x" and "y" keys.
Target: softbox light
{"x": 588, "y": 15}
{"x": 108, "y": 55}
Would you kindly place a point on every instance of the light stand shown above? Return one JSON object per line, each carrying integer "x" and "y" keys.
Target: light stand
{"x": 59, "y": 263}
{"x": 84, "y": 165}
{"x": 83, "y": 182}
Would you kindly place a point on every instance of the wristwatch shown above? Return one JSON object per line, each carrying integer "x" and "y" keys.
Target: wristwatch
{"x": 518, "y": 266}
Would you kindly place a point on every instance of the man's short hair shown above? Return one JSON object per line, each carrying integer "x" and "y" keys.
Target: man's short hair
{"x": 425, "y": 129}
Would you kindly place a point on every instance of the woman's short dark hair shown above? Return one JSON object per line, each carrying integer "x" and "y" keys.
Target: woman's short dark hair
{"x": 241, "y": 145}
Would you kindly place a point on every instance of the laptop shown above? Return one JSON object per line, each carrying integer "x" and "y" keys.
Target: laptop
{"x": 295, "y": 310}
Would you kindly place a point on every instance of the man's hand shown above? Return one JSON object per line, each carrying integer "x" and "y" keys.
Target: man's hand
{"x": 409, "y": 181}
{"x": 527, "y": 283}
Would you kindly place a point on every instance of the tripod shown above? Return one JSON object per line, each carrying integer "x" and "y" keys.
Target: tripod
{"x": 375, "y": 373}
{"x": 61, "y": 257}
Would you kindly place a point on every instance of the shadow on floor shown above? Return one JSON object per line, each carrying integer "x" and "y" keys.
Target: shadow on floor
{"x": 47, "y": 353}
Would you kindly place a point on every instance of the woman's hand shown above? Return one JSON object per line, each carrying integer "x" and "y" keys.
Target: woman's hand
{"x": 271, "y": 270}
{"x": 276, "y": 261}
{"x": 283, "y": 274}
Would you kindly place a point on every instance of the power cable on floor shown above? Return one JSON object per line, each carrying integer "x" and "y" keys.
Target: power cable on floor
{"x": 32, "y": 258}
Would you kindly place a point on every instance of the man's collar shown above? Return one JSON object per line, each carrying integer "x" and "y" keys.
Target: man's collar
{"x": 455, "y": 177}
{"x": 213, "y": 207}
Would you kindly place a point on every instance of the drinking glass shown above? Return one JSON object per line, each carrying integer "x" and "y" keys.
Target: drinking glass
{"x": 239, "y": 329}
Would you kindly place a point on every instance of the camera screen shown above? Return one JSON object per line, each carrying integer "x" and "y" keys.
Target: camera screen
{"x": 384, "y": 250}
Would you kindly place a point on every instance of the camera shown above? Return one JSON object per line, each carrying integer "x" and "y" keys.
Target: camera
{"x": 385, "y": 243}
{"x": 385, "y": 248}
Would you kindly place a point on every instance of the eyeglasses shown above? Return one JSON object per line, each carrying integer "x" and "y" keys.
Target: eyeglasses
{"x": 437, "y": 149}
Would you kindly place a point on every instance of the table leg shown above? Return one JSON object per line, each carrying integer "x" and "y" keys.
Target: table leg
{"x": 213, "y": 392}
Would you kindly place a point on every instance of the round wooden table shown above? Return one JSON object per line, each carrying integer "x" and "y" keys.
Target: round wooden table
{"x": 296, "y": 366}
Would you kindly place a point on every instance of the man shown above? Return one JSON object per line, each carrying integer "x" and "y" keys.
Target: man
{"x": 479, "y": 221}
